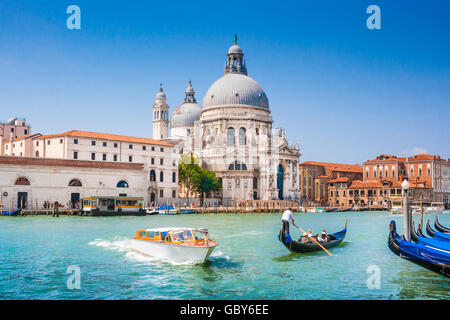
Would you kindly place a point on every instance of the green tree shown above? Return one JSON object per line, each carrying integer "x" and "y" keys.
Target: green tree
{"x": 205, "y": 181}
{"x": 188, "y": 168}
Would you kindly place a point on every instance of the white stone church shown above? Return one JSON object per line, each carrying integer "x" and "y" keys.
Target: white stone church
{"x": 232, "y": 135}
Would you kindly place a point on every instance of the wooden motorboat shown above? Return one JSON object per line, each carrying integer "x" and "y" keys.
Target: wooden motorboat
{"x": 301, "y": 247}
{"x": 180, "y": 245}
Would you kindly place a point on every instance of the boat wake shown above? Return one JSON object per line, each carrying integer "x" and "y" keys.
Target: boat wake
{"x": 123, "y": 245}
{"x": 250, "y": 233}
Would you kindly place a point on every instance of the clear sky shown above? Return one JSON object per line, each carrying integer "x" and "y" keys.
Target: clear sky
{"x": 345, "y": 92}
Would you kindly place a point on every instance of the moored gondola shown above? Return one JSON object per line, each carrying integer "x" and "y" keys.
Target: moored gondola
{"x": 430, "y": 231}
{"x": 303, "y": 247}
{"x": 414, "y": 235}
{"x": 433, "y": 259}
{"x": 440, "y": 227}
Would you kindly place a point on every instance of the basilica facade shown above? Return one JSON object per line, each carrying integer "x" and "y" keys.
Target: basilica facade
{"x": 232, "y": 134}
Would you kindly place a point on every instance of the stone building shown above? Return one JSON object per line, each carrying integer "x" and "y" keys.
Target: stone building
{"x": 428, "y": 176}
{"x": 232, "y": 135}
{"x": 314, "y": 178}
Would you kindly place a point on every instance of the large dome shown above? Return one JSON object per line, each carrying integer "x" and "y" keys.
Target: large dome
{"x": 185, "y": 115}
{"x": 236, "y": 89}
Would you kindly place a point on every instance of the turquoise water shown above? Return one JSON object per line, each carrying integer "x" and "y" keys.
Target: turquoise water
{"x": 249, "y": 263}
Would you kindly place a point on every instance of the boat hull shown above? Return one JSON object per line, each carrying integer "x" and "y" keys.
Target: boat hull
{"x": 172, "y": 253}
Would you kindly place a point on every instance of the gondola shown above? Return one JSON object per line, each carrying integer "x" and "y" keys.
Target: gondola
{"x": 430, "y": 231}
{"x": 301, "y": 247}
{"x": 414, "y": 235}
{"x": 10, "y": 212}
{"x": 440, "y": 227}
{"x": 441, "y": 236}
{"x": 433, "y": 259}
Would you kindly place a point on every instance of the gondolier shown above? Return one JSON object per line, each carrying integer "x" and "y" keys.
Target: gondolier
{"x": 288, "y": 217}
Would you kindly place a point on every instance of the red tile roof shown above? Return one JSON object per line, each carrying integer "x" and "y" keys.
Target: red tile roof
{"x": 335, "y": 166}
{"x": 106, "y": 136}
{"x": 341, "y": 179}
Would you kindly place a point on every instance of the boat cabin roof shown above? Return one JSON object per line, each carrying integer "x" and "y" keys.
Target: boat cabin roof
{"x": 176, "y": 230}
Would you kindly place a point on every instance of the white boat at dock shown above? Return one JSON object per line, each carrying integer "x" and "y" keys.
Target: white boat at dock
{"x": 179, "y": 245}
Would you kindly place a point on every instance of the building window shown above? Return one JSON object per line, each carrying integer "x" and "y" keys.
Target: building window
{"x": 429, "y": 171}
{"x": 115, "y": 145}
{"x": 420, "y": 172}
{"x": 22, "y": 181}
{"x": 331, "y": 193}
{"x": 162, "y": 149}
{"x": 242, "y": 137}
{"x": 237, "y": 165}
{"x": 161, "y": 193}
{"x": 130, "y": 159}
{"x": 93, "y": 143}
{"x": 115, "y": 157}
{"x": 92, "y": 156}
{"x": 161, "y": 161}
{"x": 75, "y": 141}
{"x": 153, "y": 148}
{"x": 25, "y": 131}
{"x": 174, "y": 193}
{"x": 37, "y": 154}
{"x": 130, "y": 146}
{"x": 60, "y": 140}
{"x": 122, "y": 184}
{"x": 144, "y": 148}
{"x": 255, "y": 183}
{"x": 75, "y": 155}
{"x": 161, "y": 176}
{"x": 174, "y": 177}
{"x": 153, "y": 161}
{"x": 152, "y": 175}
{"x": 104, "y": 157}
{"x": 37, "y": 143}
{"x": 104, "y": 143}
{"x": 230, "y": 137}
{"x": 75, "y": 183}
{"x": 48, "y": 142}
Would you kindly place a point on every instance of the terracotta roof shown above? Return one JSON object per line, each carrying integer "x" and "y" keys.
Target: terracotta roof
{"x": 21, "y": 161}
{"x": 335, "y": 166}
{"x": 106, "y": 136}
{"x": 341, "y": 179}
{"x": 358, "y": 184}
{"x": 323, "y": 177}
{"x": 386, "y": 158}
{"x": 419, "y": 157}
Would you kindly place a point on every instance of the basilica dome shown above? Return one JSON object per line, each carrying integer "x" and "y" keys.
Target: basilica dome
{"x": 188, "y": 112}
{"x": 235, "y": 87}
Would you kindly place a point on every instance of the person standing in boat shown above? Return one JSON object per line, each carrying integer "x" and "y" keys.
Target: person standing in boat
{"x": 288, "y": 217}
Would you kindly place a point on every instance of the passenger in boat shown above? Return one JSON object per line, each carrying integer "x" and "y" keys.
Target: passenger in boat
{"x": 287, "y": 218}
{"x": 306, "y": 236}
{"x": 324, "y": 236}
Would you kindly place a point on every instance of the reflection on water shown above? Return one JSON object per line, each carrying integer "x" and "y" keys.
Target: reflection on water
{"x": 249, "y": 263}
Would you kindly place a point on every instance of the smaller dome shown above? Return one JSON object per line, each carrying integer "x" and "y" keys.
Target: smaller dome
{"x": 235, "y": 49}
{"x": 185, "y": 115}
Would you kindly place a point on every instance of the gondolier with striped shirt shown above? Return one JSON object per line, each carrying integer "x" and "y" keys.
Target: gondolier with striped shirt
{"x": 288, "y": 217}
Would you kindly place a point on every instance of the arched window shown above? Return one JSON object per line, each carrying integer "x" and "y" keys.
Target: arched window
{"x": 174, "y": 177}
{"x": 37, "y": 154}
{"x": 161, "y": 176}
{"x": 152, "y": 175}
{"x": 122, "y": 184}
{"x": 237, "y": 165}
{"x": 230, "y": 137}
{"x": 242, "y": 137}
{"x": 22, "y": 181}
{"x": 255, "y": 183}
{"x": 75, "y": 183}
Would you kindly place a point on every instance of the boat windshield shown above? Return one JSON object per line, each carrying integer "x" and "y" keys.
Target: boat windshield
{"x": 182, "y": 235}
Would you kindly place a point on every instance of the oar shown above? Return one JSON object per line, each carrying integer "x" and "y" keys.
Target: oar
{"x": 314, "y": 241}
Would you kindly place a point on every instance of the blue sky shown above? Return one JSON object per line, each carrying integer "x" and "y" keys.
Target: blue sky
{"x": 345, "y": 92}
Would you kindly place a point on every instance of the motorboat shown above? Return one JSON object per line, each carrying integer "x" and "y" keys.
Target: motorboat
{"x": 435, "y": 207}
{"x": 10, "y": 212}
{"x": 179, "y": 245}
{"x": 167, "y": 209}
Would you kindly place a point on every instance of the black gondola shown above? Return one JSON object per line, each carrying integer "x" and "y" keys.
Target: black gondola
{"x": 430, "y": 231}
{"x": 408, "y": 251}
{"x": 414, "y": 235}
{"x": 419, "y": 231}
{"x": 440, "y": 227}
{"x": 303, "y": 247}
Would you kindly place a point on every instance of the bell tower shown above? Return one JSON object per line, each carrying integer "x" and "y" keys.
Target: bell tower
{"x": 160, "y": 116}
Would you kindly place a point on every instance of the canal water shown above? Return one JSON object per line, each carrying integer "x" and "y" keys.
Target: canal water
{"x": 249, "y": 262}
